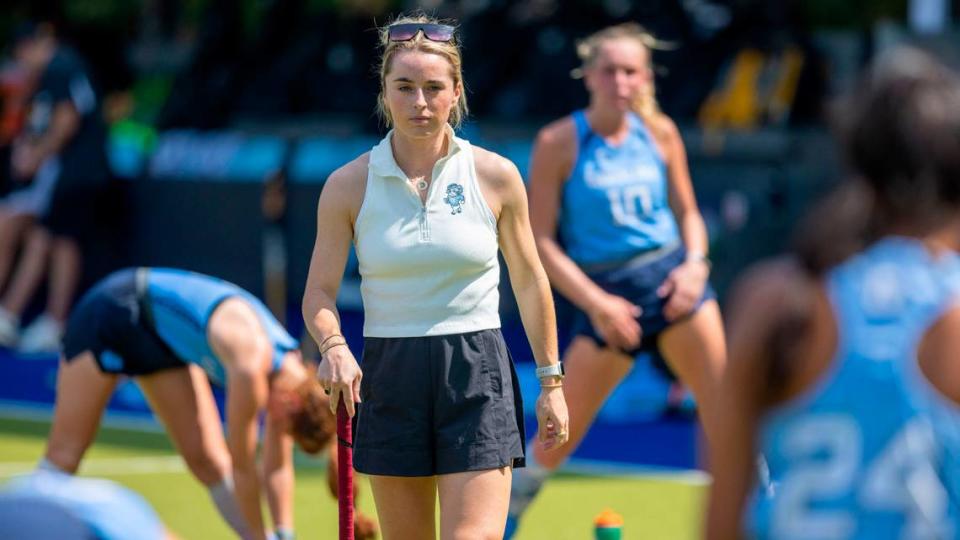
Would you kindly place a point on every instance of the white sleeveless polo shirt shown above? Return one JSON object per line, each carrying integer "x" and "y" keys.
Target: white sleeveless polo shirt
{"x": 429, "y": 268}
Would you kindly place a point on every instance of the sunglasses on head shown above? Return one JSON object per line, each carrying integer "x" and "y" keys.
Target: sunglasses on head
{"x": 408, "y": 31}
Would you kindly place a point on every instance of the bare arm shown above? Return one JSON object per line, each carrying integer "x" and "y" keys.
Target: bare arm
{"x": 336, "y": 213}
{"x": 686, "y": 283}
{"x": 683, "y": 202}
{"x": 246, "y": 397}
{"x": 530, "y": 286}
{"x": 758, "y": 304}
{"x": 550, "y": 164}
{"x": 553, "y": 155}
{"x": 278, "y": 474}
{"x": 63, "y": 126}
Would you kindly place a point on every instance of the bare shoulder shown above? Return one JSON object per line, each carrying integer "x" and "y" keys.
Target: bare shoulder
{"x": 557, "y": 136}
{"x": 494, "y": 170}
{"x": 665, "y": 130}
{"x": 491, "y": 166}
{"x": 346, "y": 185}
{"x": 938, "y": 352}
{"x": 500, "y": 181}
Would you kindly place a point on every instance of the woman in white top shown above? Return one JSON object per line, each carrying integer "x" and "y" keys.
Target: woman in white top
{"x": 427, "y": 213}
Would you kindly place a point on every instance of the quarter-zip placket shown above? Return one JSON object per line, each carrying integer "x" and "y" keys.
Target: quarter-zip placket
{"x": 423, "y": 224}
{"x": 423, "y": 205}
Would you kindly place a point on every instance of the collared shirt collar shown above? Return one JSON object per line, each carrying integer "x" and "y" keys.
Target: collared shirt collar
{"x": 383, "y": 163}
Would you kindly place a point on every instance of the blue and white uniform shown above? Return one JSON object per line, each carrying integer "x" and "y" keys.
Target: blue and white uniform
{"x": 615, "y": 203}
{"x": 47, "y": 505}
{"x": 182, "y": 302}
{"x": 139, "y": 321}
{"x": 617, "y": 225}
{"x": 870, "y": 450}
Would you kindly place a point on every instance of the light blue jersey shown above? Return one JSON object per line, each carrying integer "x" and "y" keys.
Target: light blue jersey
{"x": 869, "y": 451}
{"x": 181, "y": 304}
{"x": 48, "y": 505}
{"x": 615, "y": 202}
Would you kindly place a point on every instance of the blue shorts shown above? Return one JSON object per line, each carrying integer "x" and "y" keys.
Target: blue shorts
{"x": 110, "y": 322}
{"x": 438, "y": 405}
{"x": 637, "y": 280}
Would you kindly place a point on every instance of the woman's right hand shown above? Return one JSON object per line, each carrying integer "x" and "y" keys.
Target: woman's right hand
{"x": 340, "y": 375}
{"x": 615, "y": 320}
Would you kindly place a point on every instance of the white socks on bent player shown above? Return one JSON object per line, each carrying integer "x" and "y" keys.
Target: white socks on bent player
{"x": 223, "y": 496}
{"x": 283, "y": 534}
{"x": 48, "y": 466}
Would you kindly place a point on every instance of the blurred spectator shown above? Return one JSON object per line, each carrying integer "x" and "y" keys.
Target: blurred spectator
{"x": 59, "y": 162}
{"x": 14, "y": 91}
{"x": 14, "y": 94}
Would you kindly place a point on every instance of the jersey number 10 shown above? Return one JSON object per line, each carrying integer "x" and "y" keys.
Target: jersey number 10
{"x": 627, "y": 204}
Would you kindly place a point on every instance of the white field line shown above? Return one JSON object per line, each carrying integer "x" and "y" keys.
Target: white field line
{"x": 173, "y": 463}
{"x": 645, "y": 472}
{"x": 170, "y": 464}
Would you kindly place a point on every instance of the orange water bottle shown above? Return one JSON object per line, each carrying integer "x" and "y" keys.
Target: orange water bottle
{"x": 608, "y": 526}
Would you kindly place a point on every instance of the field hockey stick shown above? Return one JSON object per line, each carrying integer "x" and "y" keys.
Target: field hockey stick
{"x": 345, "y": 471}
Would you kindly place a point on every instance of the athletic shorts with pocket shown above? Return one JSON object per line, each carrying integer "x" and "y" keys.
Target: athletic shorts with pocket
{"x": 438, "y": 405}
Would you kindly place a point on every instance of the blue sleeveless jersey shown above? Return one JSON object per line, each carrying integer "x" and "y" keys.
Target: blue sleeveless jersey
{"x": 871, "y": 450}
{"x": 182, "y": 302}
{"x": 615, "y": 201}
{"x": 107, "y": 510}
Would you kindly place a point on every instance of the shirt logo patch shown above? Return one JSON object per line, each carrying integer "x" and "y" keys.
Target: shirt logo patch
{"x": 455, "y": 198}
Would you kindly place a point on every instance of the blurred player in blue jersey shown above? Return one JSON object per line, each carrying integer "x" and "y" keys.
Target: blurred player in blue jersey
{"x": 621, "y": 237}
{"x": 50, "y": 505}
{"x": 173, "y": 330}
{"x": 844, "y": 369}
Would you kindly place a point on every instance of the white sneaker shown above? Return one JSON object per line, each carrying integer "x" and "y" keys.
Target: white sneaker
{"x": 9, "y": 328}
{"x": 42, "y": 336}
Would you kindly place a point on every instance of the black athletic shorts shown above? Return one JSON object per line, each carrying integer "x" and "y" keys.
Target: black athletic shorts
{"x": 111, "y": 322}
{"x": 438, "y": 405}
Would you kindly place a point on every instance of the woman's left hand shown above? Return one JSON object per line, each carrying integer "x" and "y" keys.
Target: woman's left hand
{"x": 553, "y": 422}
{"x": 684, "y": 288}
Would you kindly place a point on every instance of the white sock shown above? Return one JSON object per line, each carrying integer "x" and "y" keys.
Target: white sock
{"x": 283, "y": 533}
{"x": 223, "y": 496}
{"x": 46, "y": 465}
